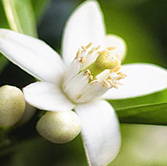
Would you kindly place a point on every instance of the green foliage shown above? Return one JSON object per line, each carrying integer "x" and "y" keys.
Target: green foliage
{"x": 142, "y": 145}
{"x": 3, "y": 21}
{"x": 141, "y": 47}
{"x": 154, "y": 98}
{"x": 20, "y": 16}
{"x": 149, "y": 114}
{"x": 3, "y": 24}
{"x": 3, "y": 62}
{"x": 149, "y": 109}
{"x": 39, "y": 6}
{"x": 39, "y": 152}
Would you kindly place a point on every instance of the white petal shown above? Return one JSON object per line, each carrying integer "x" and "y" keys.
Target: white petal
{"x": 100, "y": 131}
{"x": 32, "y": 55}
{"x": 90, "y": 92}
{"x": 75, "y": 86}
{"x": 142, "y": 79}
{"x": 118, "y": 45}
{"x": 47, "y": 96}
{"x": 84, "y": 26}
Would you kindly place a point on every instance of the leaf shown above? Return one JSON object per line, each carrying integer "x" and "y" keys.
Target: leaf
{"x": 151, "y": 114}
{"x": 39, "y": 6}
{"x": 149, "y": 109}
{"x": 3, "y": 24}
{"x": 39, "y": 152}
{"x": 20, "y": 16}
{"x": 154, "y": 98}
{"x": 3, "y": 62}
{"x": 3, "y": 20}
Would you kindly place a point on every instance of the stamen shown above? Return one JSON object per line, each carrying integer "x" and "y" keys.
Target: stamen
{"x": 89, "y": 75}
{"x": 78, "y": 54}
{"x": 111, "y": 48}
{"x": 82, "y": 60}
{"x": 121, "y": 75}
{"x": 92, "y": 51}
{"x": 116, "y": 69}
{"x": 106, "y": 84}
{"x": 97, "y": 71}
{"x": 88, "y": 46}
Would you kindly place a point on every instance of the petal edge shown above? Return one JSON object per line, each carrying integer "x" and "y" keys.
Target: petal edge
{"x": 142, "y": 79}
{"x": 32, "y": 55}
{"x": 85, "y": 25}
{"x": 47, "y": 96}
{"x": 100, "y": 131}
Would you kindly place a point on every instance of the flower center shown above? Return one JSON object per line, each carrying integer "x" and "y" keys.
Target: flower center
{"x": 93, "y": 71}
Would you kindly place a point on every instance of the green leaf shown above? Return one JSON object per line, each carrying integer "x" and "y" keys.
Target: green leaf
{"x": 149, "y": 114}
{"x": 20, "y": 16}
{"x": 3, "y": 62}
{"x": 39, "y": 6}
{"x": 154, "y": 98}
{"x": 3, "y": 24}
{"x": 3, "y": 20}
{"x": 149, "y": 109}
{"x": 39, "y": 152}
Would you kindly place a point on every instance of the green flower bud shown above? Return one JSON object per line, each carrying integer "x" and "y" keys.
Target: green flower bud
{"x": 12, "y": 105}
{"x": 59, "y": 127}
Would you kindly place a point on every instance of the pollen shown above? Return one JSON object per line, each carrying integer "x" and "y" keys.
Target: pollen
{"x": 112, "y": 81}
{"x": 89, "y": 75}
{"x": 98, "y": 69}
{"x": 111, "y": 48}
{"x": 87, "y": 46}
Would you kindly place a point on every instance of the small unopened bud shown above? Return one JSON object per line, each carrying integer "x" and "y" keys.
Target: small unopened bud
{"x": 59, "y": 127}
{"x": 12, "y": 105}
{"x": 107, "y": 61}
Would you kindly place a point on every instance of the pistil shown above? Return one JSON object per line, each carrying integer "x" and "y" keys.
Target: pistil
{"x": 98, "y": 70}
{"x": 104, "y": 61}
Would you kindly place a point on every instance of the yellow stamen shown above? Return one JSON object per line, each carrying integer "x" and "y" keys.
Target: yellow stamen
{"x": 111, "y": 48}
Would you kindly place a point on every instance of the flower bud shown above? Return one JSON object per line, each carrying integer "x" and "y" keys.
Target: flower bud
{"x": 12, "y": 105}
{"x": 59, "y": 127}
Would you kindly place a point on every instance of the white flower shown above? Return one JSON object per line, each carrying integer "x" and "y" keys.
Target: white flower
{"x": 79, "y": 81}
